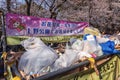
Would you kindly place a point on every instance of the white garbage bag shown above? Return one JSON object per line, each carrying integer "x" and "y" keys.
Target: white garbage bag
{"x": 37, "y": 58}
{"x": 78, "y": 45}
{"x": 102, "y": 39}
{"x": 65, "y": 60}
{"x": 91, "y": 45}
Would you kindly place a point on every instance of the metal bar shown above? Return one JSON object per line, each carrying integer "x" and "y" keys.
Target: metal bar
{"x": 3, "y": 37}
{"x": 51, "y": 75}
{"x": 4, "y": 43}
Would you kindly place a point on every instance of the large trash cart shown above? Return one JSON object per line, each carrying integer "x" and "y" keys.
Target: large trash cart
{"x": 107, "y": 65}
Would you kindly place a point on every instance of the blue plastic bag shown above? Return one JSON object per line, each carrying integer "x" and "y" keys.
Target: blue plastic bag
{"x": 109, "y": 47}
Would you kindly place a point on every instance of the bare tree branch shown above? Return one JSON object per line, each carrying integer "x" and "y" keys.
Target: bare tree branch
{"x": 47, "y": 3}
{"x": 58, "y": 6}
{"x": 55, "y": 9}
{"x": 52, "y": 5}
{"x": 40, "y": 4}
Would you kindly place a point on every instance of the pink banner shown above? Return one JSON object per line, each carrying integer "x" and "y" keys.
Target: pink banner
{"x": 19, "y": 25}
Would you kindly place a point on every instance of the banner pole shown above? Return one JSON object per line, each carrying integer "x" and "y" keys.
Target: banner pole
{"x": 3, "y": 39}
{"x": 3, "y": 33}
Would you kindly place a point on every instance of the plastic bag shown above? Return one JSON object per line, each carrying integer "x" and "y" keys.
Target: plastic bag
{"x": 67, "y": 59}
{"x": 109, "y": 47}
{"x": 92, "y": 31}
{"x": 83, "y": 54}
{"x": 91, "y": 45}
{"x": 102, "y": 39}
{"x": 78, "y": 45}
{"x": 37, "y": 57}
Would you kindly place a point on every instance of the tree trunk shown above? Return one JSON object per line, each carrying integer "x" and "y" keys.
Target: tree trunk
{"x": 53, "y": 15}
{"x": 28, "y": 6}
{"x": 8, "y": 5}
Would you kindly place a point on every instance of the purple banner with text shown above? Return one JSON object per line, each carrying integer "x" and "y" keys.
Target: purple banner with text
{"x": 19, "y": 25}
